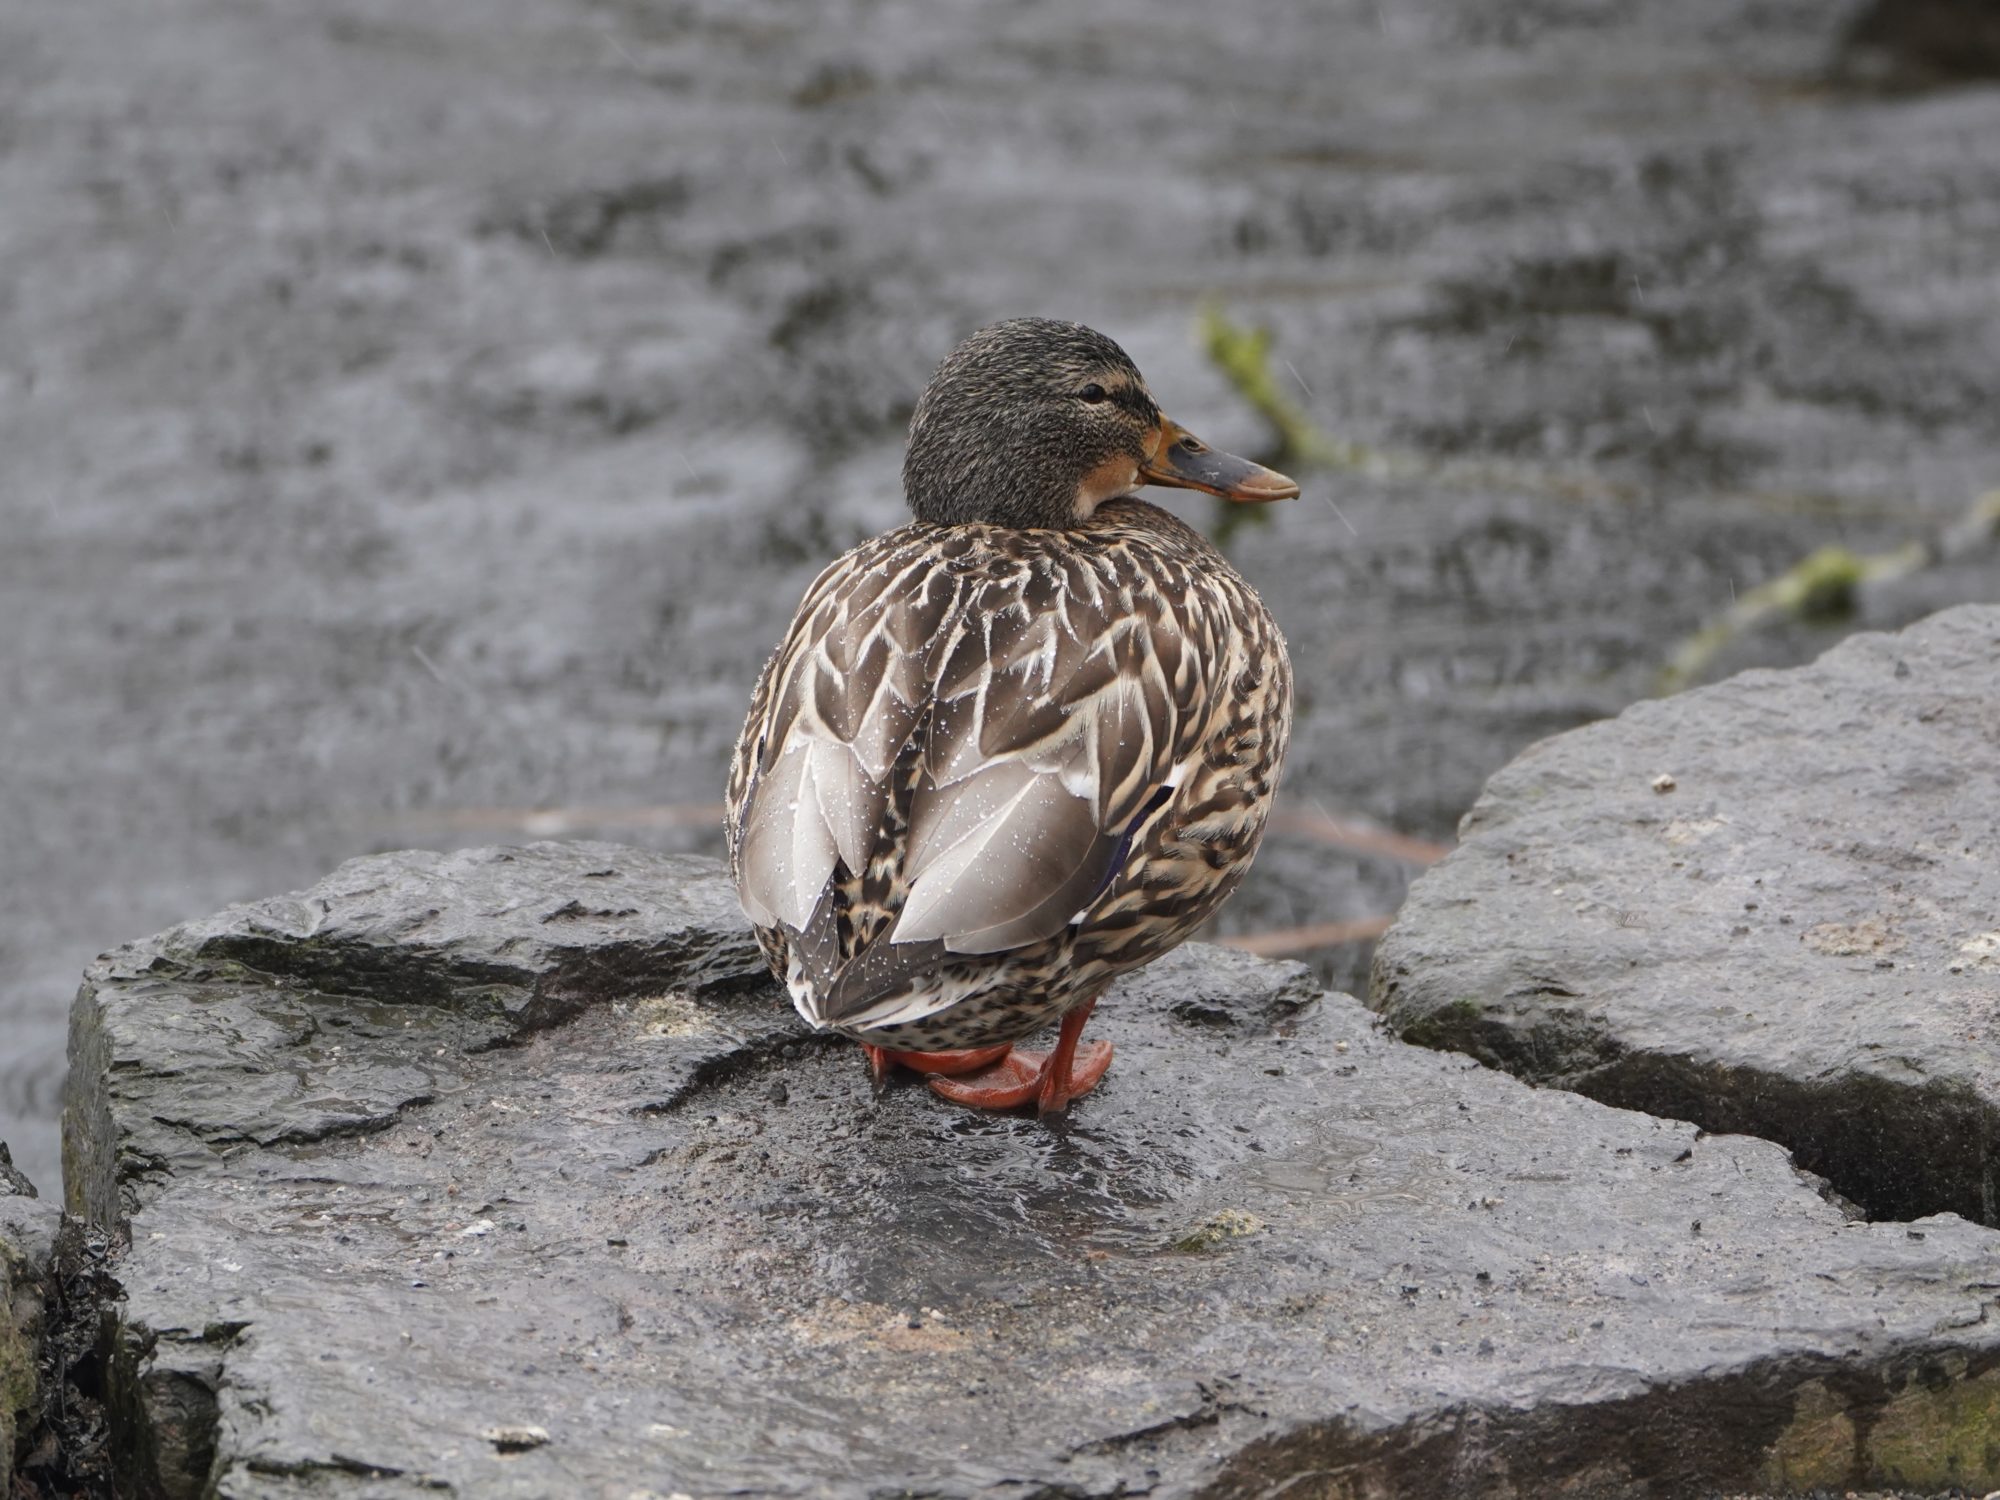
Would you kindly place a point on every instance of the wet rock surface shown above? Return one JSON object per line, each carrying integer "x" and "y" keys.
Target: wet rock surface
{"x": 1798, "y": 938}
{"x": 27, "y": 1259}
{"x": 417, "y": 420}
{"x": 14, "y": 1182}
{"x": 509, "y": 1173}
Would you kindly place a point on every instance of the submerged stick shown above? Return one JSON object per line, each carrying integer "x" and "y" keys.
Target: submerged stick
{"x": 1279, "y": 942}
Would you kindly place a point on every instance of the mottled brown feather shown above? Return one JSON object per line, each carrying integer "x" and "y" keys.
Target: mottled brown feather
{"x": 960, "y": 728}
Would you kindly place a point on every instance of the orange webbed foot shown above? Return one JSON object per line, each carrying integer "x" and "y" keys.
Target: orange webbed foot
{"x": 968, "y": 1060}
{"x": 1023, "y": 1076}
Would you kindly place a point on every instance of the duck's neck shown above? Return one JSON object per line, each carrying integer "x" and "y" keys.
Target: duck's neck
{"x": 1009, "y": 465}
{"x": 949, "y": 484}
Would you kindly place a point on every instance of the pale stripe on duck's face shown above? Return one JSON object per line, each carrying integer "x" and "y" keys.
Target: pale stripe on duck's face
{"x": 1117, "y": 475}
{"x": 1126, "y": 405}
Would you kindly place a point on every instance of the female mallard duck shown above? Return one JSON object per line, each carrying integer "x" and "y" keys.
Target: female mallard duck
{"x": 1022, "y": 745}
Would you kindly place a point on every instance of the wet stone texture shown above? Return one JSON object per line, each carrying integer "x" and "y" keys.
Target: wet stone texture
{"x": 27, "y": 1258}
{"x": 508, "y": 1173}
{"x": 1799, "y": 939}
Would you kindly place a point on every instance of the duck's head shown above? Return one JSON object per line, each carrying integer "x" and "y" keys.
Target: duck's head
{"x": 1034, "y": 422}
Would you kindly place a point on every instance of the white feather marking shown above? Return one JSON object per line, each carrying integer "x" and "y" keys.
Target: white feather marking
{"x": 969, "y": 858}
{"x": 812, "y": 850}
{"x": 937, "y": 993}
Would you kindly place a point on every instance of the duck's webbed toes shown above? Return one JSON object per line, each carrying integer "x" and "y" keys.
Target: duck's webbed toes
{"x": 966, "y": 1060}
{"x": 1028, "y": 1077}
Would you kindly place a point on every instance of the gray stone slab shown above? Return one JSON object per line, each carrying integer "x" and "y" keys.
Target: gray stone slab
{"x": 1800, "y": 939}
{"x": 507, "y": 1173}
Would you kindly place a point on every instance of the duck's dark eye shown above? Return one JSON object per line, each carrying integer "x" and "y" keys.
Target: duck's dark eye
{"x": 1093, "y": 393}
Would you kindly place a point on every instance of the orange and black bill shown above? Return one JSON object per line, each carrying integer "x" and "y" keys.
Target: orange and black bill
{"x": 1186, "y": 462}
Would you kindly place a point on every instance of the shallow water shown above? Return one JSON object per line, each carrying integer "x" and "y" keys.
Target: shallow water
{"x": 414, "y": 423}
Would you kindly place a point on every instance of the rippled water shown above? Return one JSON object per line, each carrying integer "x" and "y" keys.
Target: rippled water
{"x": 415, "y": 421}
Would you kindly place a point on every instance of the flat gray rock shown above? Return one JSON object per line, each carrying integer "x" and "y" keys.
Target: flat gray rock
{"x": 1800, "y": 939}
{"x": 507, "y": 1173}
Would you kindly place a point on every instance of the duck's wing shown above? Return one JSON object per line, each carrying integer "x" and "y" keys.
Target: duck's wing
{"x": 837, "y": 704}
{"x": 1059, "y": 715}
{"x": 955, "y": 760}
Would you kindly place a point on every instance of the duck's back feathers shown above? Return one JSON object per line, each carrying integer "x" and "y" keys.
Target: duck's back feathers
{"x": 954, "y": 749}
